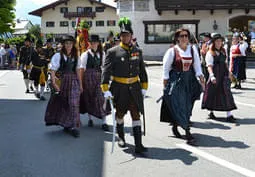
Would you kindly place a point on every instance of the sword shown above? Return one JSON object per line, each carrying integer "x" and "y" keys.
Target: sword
{"x": 114, "y": 124}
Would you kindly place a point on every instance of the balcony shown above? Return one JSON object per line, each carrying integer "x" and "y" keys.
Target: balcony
{"x": 79, "y": 14}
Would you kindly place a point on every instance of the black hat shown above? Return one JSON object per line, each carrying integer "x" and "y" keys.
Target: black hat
{"x": 217, "y": 36}
{"x": 125, "y": 25}
{"x": 68, "y": 38}
{"x": 207, "y": 35}
{"x": 49, "y": 40}
{"x": 94, "y": 38}
{"x": 28, "y": 39}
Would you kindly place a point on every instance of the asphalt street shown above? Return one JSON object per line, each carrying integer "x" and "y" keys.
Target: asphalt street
{"x": 30, "y": 149}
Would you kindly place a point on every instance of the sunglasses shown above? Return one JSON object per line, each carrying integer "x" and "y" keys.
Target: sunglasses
{"x": 183, "y": 35}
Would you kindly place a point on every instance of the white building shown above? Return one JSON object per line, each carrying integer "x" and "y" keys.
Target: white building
{"x": 22, "y": 27}
{"x": 58, "y": 18}
{"x": 155, "y": 21}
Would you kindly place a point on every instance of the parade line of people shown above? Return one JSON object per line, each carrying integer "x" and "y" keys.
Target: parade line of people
{"x": 85, "y": 84}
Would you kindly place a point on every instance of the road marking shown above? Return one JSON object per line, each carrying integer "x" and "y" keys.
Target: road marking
{"x": 217, "y": 160}
{"x": 2, "y": 73}
{"x": 245, "y": 104}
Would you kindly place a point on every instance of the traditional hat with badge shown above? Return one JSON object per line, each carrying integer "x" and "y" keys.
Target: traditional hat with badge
{"x": 216, "y": 36}
{"x": 68, "y": 38}
{"x": 125, "y": 25}
{"x": 94, "y": 38}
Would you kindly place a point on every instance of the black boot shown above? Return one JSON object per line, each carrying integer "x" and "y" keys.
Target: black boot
{"x": 190, "y": 138}
{"x": 139, "y": 148}
{"x": 120, "y": 131}
{"x": 175, "y": 131}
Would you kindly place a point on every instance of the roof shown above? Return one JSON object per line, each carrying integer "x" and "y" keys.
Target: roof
{"x": 162, "y": 5}
{"x": 21, "y": 24}
{"x": 38, "y": 12}
{"x": 24, "y": 31}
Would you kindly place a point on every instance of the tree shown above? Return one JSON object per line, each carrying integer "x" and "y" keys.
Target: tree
{"x": 35, "y": 31}
{"x": 7, "y": 15}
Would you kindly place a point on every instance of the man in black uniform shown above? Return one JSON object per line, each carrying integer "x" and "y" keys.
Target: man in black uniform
{"x": 124, "y": 65}
{"x": 27, "y": 52}
{"x": 110, "y": 42}
{"x": 38, "y": 72}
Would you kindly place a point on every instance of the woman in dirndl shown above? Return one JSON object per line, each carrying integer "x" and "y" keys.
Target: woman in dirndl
{"x": 237, "y": 66}
{"x": 218, "y": 96}
{"x": 181, "y": 67}
{"x": 92, "y": 99}
{"x": 63, "y": 106}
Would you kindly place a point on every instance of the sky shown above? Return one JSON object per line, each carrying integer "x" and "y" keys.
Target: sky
{"x": 23, "y": 7}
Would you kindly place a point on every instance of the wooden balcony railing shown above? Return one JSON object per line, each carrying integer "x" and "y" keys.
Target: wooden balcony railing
{"x": 79, "y": 14}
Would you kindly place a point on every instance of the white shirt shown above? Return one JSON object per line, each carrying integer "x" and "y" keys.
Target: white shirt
{"x": 242, "y": 48}
{"x": 209, "y": 58}
{"x": 84, "y": 58}
{"x": 2, "y": 51}
{"x": 168, "y": 60}
{"x": 55, "y": 61}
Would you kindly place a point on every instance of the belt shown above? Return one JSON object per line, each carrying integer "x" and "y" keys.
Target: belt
{"x": 38, "y": 67}
{"x": 125, "y": 80}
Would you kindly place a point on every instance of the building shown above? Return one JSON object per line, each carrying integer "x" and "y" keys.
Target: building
{"x": 59, "y": 18}
{"x": 155, "y": 21}
{"x": 22, "y": 27}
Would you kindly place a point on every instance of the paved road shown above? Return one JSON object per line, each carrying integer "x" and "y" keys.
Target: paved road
{"x": 29, "y": 149}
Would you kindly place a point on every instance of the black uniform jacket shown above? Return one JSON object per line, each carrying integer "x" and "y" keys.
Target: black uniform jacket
{"x": 26, "y": 55}
{"x": 124, "y": 62}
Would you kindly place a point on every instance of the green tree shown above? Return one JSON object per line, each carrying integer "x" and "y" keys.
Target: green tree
{"x": 7, "y": 15}
{"x": 35, "y": 31}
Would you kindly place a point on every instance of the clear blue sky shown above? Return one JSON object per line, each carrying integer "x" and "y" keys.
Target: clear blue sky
{"x": 23, "y": 7}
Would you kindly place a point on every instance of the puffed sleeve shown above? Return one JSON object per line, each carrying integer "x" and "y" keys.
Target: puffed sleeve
{"x": 196, "y": 63}
{"x": 84, "y": 59}
{"x": 55, "y": 62}
{"x": 167, "y": 62}
{"x": 209, "y": 59}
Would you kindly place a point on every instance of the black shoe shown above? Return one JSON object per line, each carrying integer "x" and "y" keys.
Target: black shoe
{"x": 211, "y": 116}
{"x": 231, "y": 119}
{"x": 176, "y": 132}
{"x": 42, "y": 98}
{"x": 139, "y": 148}
{"x": 37, "y": 95}
{"x": 66, "y": 129}
{"x": 105, "y": 127}
{"x": 238, "y": 86}
{"x": 31, "y": 88}
{"x": 27, "y": 91}
{"x": 75, "y": 133}
{"x": 189, "y": 136}
{"x": 90, "y": 123}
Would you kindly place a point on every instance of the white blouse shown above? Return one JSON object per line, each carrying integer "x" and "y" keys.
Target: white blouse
{"x": 168, "y": 60}
{"x": 55, "y": 61}
{"x": 209, "y": 59}
{"x": 242, "y": 48}
{"x": 84, "y": 58}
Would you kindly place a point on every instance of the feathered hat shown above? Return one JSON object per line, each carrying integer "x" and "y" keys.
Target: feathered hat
{"x": 125, "y": 25}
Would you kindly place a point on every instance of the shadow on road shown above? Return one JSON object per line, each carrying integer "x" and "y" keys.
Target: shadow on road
{"x": 212, "y": 141}
{"x": 163, "y": 154}
{"x": 210, "y": 125}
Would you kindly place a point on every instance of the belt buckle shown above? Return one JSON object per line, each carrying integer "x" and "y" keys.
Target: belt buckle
{"x": 129, "y": 80}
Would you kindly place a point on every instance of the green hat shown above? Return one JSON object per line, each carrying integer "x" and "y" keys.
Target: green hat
{"x": 125, "y": 25}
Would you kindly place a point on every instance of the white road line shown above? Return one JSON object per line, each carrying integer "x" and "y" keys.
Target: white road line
{"x": 217, "y": 160}
{"x": 245, "y": 104}
{"x": 2, "y": 73}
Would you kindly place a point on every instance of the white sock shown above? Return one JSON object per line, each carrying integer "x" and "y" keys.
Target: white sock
{"x": 136, "y": 123}
{"x": 104, "y": 120}
{"x": 26, "y": 83}
{"x": 229, "y": 113}
{"x": 42, "y": 91}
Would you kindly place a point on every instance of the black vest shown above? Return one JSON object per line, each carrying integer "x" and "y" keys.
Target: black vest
{"x": 93, "y": 62}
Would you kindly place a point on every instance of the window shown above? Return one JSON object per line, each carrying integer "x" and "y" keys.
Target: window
{"x": 73, "y": 23}
{"x": 80, "y": 9}
{"x": 63, "y": 23}
{"x": 88, "y": 9}
{"x": 141, "y": 5}
{"x": 133, "y": 5}
{"x": 63, "y": 10}
{"x": 100, "y": 9}
{"x": 163, "y": 31}
{"x": 90, "y": 23}
{"x": 111, "y": 23}
{"x": 99, "y": 23}
{"x": 50, "y": 24}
